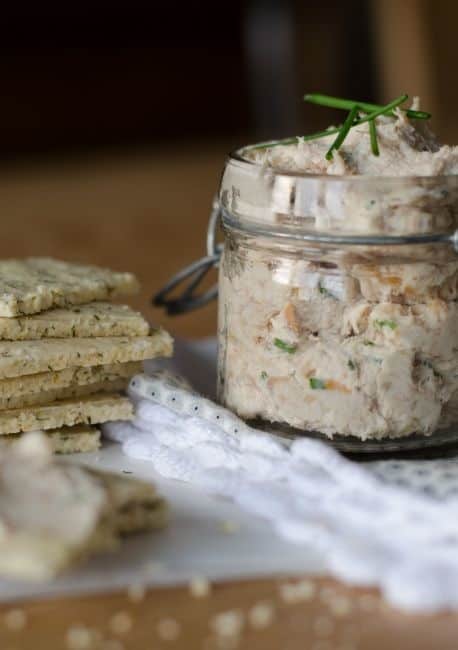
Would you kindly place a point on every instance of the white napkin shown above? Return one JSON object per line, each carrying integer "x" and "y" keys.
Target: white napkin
{"x": 391, "y": 524}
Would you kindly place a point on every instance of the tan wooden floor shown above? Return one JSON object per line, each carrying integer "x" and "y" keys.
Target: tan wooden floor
{"x": 148, "y": 214}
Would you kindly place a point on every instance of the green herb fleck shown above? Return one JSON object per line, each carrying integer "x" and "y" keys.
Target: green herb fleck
{"x": 366, "y": 342}
{"x": 326, "y": 292}
{"x": 351, "y": 364}
{"x": 386, "y": 323}
{"x": 286, "y": 347}
{"x": 317, "y": 384}
{"x": 264, "y": 375}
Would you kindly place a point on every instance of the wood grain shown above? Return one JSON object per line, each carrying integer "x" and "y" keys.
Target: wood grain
{"x": 113, "y": 622}
{"x": 148, "y": 214}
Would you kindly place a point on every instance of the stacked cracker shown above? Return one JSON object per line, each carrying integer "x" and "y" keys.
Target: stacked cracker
{"x": 66, "y": 354}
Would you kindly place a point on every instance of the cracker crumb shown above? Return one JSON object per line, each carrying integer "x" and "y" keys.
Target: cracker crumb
{"x": 16, "y": 619}
{"x": 79, "y": 637}
{"x": 261, "y": 614}
{"x": 199, "y": 587}
{"x": 168, "y": 629}
{"x": 340, "y": 605}
{"x": 296, "y": 592}
{"x": 229, "y": 527}
{"x": 323, "y": 626}
{"x": 228, "y": 624}
{"x": 136, "y": 592}
{"x": 120, "y": 623}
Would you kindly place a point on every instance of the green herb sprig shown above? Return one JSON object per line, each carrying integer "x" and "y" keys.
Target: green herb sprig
{"x": 347, "y": 104}
{"x": 353, "y": 119}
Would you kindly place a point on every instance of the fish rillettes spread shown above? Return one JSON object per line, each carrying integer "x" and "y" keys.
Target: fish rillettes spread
{"x": 359, "y": 341}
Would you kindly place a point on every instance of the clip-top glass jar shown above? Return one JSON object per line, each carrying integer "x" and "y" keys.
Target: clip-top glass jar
{"x": 338, "y": 312}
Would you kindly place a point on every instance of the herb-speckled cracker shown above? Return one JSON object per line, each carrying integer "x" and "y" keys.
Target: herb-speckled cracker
{"x": 48, "y": 396}
{"x": 92, "y": 409}
{"x": 37, "y": 283}
{"x": 93, "y": 319}
{"x": 44, "y": 381}
{"x": 30, "y": 357}
{"x": 66, "y": 440}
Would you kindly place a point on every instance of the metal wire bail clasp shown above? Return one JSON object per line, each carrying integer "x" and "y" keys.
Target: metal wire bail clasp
{"x": 188, "y": 300}
{"x": 455, "y": 240}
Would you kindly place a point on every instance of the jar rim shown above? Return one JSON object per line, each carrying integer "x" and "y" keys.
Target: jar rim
{"x": 342, "y": 209}
{"x": 236, "y": 157}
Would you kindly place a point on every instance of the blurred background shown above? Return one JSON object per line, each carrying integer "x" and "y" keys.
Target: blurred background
{"x": 115, "y": 117}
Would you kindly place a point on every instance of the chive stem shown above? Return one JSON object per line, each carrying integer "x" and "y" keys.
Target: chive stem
{"x": 373, "y": 135}
{"x": 346, "y": 126}
{"x": 383, "y": 110}
{"x": 367, "y": 107}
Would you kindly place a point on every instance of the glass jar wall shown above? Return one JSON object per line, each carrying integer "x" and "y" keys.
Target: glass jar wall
{"x": 338, "y": 309}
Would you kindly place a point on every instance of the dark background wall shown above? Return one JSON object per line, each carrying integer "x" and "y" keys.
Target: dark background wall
{"x": 78, "y": 76}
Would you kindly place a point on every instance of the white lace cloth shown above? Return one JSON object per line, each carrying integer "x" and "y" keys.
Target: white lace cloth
{"x": 392, "y": 524}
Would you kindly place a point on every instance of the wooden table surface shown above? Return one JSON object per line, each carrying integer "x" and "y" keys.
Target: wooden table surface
{"x": 147, "y": 213}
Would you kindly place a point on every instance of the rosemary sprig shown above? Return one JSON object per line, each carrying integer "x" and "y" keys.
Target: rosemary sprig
{"x": 373, "y": 136}
{"x": 366, "y": 107}
{"x": 346, "y": 126}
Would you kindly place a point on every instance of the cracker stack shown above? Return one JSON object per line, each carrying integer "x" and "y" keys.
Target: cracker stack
{"x": 66, "y": 353}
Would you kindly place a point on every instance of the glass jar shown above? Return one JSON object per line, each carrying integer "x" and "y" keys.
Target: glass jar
{"x": 338, "y": 312}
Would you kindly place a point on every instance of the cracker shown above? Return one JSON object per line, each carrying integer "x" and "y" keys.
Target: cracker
{"x": 93, "y": 319}
{"x": 84, "y": 410}
{"x": 54, "y": 514}
{"x": 31, "y": 357}
{"x": 48, "y": 396}
{"x": 137, "y": 505}
{"x": 44, "y": 381}
{"x": 34, "y": 284}
{"x": 66, "y": 440}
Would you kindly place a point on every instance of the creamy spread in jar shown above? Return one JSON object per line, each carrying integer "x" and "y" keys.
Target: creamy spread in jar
{"x": 356, "y": 335}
